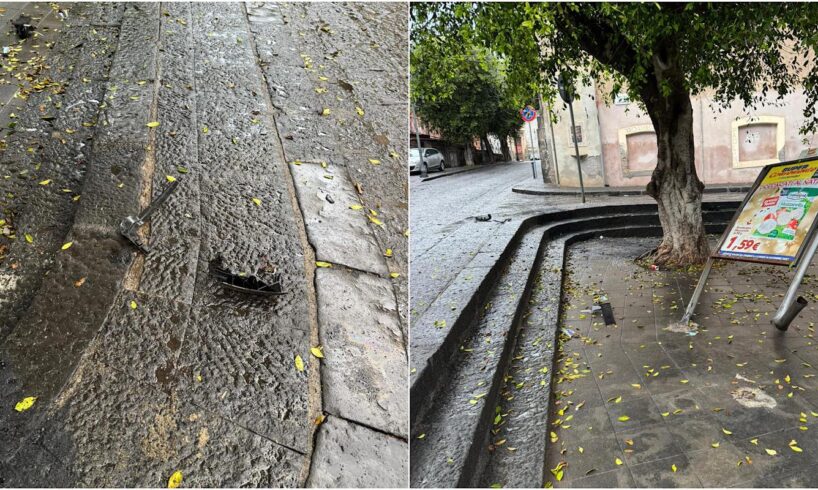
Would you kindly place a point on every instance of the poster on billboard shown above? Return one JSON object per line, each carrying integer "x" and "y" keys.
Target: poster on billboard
{"x": 777, "y": 218}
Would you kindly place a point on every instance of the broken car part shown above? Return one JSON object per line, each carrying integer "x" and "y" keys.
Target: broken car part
{"x": 244, "y": 283}
{"x": 129, "y": 226}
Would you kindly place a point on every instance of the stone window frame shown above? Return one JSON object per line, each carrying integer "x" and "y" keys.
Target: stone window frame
{"x": 623, "y": 149}
{"x": 780, "y": 137}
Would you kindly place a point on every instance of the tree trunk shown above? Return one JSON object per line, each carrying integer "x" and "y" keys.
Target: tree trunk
{"x": 674, "y": 183}
{"x": 485, "y": 140}
{"x": 545, "y": 154}
{"x": 468, "y": 154}
{"x": 506, "y": 150}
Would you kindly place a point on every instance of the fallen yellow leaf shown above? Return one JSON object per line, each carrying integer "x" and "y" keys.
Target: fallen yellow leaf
{"x": 170, "y": 178}
{"x": 388, "y": 252}
{"x": 25, "y": 403}
{"x": 323, "y": 264}
{"x": 299, "y": 363}
{"x": 133, "y": 304}
{"x": 394, "y": 275}
{"x": 154, "y": 124}
{"x": 175, "y": 480}
{"x": 317, "y": 352}
{"x": 771, "y": 452}
{"x": 673, "y": 468}
{"x": 67, "y": 245}
{"x": 257, "y": 201}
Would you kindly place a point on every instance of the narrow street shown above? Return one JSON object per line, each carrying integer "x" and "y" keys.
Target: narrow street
{"x": 145, "y": 365}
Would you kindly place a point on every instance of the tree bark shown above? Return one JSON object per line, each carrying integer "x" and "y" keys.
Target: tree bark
{"x": 505, "y": 148}
{"x": 485, "y": 140}
{"x": 545, "y": 155}
{"x": 674, "y": 183}
{"x": 469, "y": 155}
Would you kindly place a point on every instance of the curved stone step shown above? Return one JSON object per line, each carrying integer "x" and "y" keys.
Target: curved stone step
{"x": 454, "y": 396}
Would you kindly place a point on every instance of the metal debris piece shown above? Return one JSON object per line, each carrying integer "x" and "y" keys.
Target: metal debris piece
{"x": 484, "y": 217}
{"x": 129, "y": 226}
{"x": 23, "y": 26}
{"x": 607, "y": 313}
{"x": 244, "y": 283}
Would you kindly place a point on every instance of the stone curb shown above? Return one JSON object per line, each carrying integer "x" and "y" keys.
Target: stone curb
{"x": 614, "y": 191}
{"x": 461, "y": 170}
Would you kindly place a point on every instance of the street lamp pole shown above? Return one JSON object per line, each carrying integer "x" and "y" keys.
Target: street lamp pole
{"x": 567, "y": 94}
{"x": 417, "y": 140}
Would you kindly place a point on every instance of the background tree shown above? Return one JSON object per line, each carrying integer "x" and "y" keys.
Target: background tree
{"x": 660, "y": 54}
{"x": 460, "y": 92}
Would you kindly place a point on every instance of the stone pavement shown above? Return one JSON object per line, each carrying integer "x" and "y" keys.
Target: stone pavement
{"x": 143, "y": 365}
{"x": 635, "y": 404}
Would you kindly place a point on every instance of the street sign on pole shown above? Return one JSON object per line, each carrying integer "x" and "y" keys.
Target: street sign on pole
{"x": 528, "y": 114}
{"x": 776, "y": 224}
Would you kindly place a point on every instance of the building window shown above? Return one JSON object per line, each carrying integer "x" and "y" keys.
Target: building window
{"x": 578, "y": 130}
{"x": 757, "y": 141}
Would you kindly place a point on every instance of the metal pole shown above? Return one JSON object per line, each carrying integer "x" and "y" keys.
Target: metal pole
{"x": 791, "y": 305}
{"x": 417, "y": 140}
{"x": 697, "y": 292}
{"x": 576, "y": 150}
{"x": 531, "y": 139}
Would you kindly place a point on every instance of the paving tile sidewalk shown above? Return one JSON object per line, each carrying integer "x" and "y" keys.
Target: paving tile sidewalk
{"x": 635, "y": 404}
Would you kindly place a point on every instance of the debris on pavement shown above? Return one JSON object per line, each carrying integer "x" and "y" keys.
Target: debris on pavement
{"x": 752, "y": 398}
{"x": 129, "y": 225}
{"x": 22, "y": 25}
{"x": 244, "y": 283}
{"x": 483, "y": 217}
{"x": 689, "y": 328}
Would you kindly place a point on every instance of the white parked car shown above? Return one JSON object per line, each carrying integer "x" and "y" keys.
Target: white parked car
{"x": 432, "y": 158}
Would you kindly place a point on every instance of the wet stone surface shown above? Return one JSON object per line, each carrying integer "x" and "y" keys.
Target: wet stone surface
{"x": 144, "y": 364}
{"x": 352, "y": 456}
{"x": 733, "y": 405}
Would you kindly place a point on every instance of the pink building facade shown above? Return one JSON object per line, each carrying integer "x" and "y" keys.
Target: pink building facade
{"x": 618, "y": 144}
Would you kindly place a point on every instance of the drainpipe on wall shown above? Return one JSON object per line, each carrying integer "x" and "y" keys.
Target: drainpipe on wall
{"x": 701, "y": 140}
{"x": 601, "y": 152}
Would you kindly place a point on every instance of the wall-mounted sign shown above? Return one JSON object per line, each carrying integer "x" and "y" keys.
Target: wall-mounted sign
{"x": 777, "y": 218}
{"x": 622, "y": 99}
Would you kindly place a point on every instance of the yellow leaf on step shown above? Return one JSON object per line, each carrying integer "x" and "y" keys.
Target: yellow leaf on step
{"x": 67, "y": 245}
{"x": 771, "y": 452}
{"x": 25, "y": 403}
{"x": 299, "y": 363}
{"x": 323, "y": 264}
{"x": 175, "y": 480}
{"x": 154, "y": 124}
{"x": 673, "y": 468}
{"x": 317, "y": 352}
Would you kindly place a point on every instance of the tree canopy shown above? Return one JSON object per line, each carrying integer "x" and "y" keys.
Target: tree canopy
{"x": 461, "y": 91}
{"x": 743, "y": 52}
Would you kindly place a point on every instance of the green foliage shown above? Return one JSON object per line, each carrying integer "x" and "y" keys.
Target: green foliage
{"x": 745, "y": 53}
{"x": 460, "y": 91}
